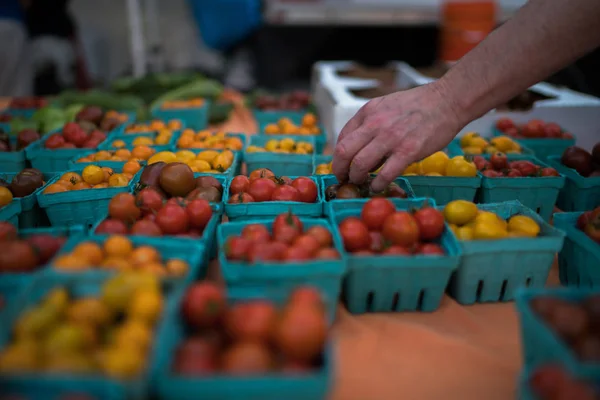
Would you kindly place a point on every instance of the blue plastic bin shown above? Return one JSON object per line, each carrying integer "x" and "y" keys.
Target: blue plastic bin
{"x": 79, "y": 207}
{"x": 193, "y": 117}
{"x": 50, "y": 161}
{"x": 10, "y": 212}
{"x": 537, "y": 193}
{"x": 128, "y": 138}
{"x": 454, "y": 149}
{"x": 308, "y": 386}
{"x": 320, "y": 139}
{"x": 282, "y": 278}
{"x": 38, "y": 386}
{"x": 492, "y": 270}
{"x": 396, "y": 283}
{"x": 544, "y": 147}
{"x": 280, "y": 163}
{"x": 579, "y": 193}
{"x": 340, "y": 204}
{"x": 579, "y": 259}
{"x": 246, "y": 211}
{"x": 169, "y": 249}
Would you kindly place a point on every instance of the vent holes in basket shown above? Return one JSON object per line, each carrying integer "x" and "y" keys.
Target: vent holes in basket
{"x": 479, "y": 290}
{"x": 420, "y": 301}
{"x": 370, "y": 299}
{"x": 537, "y": 210}
{"x": 395, "y": 301}
{"x": 528, "y": 281}
{"x": 503, "y": 289}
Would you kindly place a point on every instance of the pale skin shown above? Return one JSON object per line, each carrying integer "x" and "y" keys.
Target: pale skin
{"x": 404, "y": 127}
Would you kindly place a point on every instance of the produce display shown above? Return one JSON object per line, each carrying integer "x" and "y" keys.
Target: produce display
{"x": 24, "y": 139}
{"x": 308, "y": 126}
{"x": 206, "y": 139}
{"x": 75, "y": 135}
{"x": 589, "y": 223}
{"x": 154, "y": 125}
{"x": 473, "y": 143}
{"x": 586, "y": 164}
{"x": 250, "y": 337}
{"x": 94, "y": 118}
{"x": 294, "y": 101}
{"x": 287, "y": 146}
{"x": 18, "y": 255}
{"x": 286, "y": 241}
{"x": 534, "y": 129}
{"x": 20, "y": 103}
{"x": 178, "y": 104}
{"x": 352, "y": 191}
{"x": 118, "y": 253}
{"x": 138, "y": 153}
{"x": 22, "y": 184}
{"x": 92, "y": 177}
{"x": 553, "y": 382}
{"x": 383, "y": 230}
{"x": 209, "y": 161}
{"x": 263, "y": 185}
{"x": 439, "y": 164}
{"x": 110, "y": 333}
{"x": 469, "y": 223}
{"x": 324, "y": 169}
{"x": 162, "y": 138}
{"x": 499, "y": 166}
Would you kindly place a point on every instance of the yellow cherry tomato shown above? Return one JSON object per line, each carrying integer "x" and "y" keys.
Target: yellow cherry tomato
{"x": 412, "y": 169}
{"x": 492, "y": 218}
{"x": 435, "y": 163}
{"x": 185, "y": 155}
{"x": 117, "y": 180}
{"x": 272, "y": 145}
{"x": 461, "y": 167}
{"x": 5, "y": 196}
{"x": 164, "y": 156}
{"x": 479, "y": 142}
{"x": 523, "y": 226}
{"x": 465, "y": 140}
{"x": 460, "y": 212}
{"x": 93, "y": 174}
{"x": 464, "y": 232}
{"x": 485, "y": 230}
{"x": 472, "y": 150}
{"x": 287, "y": 144}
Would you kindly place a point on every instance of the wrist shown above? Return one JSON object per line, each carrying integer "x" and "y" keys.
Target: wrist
{"x": 451, "y": 103}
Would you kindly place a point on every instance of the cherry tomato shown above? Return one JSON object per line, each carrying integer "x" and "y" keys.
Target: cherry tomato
{"x": 112, "y": 226}
{"x": 397, "y": 251}
{"x": 430, "y": 249}
{"x": 377, "y": 241}
{"x": 241, "y": 198}
{"x": 253, "y": 321}
{"x": 308, "y": 242}
{"x": 45, "y": 246}
{"x": 296, "y": 254}
{"x": 287, "y": 219}
{"x": 401, "y": 228}
{"x": 173, "y": 219}
{"x": 549, "y": 172}
{"x": 260, "y": 173}
{"x": 307, "y": 189}
{"x": 17, "y": 256}
{"x": 177, "y": 201}
{"x": 54, "y": 141}
{"x": 247, "y": 358}
{"x": 149, "y": 200}
{"x": 285, "y": 193}
{"x": 587, "y": 216}
{"x": 481, "y": 163}
{"x": 430, "y": 222}
{"x": 592, "y": 229}
{"x": 256, "y": 233}
{"x": 123, "y": 207}
{"x": 514, "y": 173}
{"x": 322, "y": 235}
{"x": 355, "y": 234}
{"x": 203, "y": 305}
{"x": 375, "y": 211}
{"x": 490, "y": 173}
{"x": 504, "y": 123}
{"x": 266, "y": 252}
{"x": 533, "y": 129}
{"x": 145, "y": 227}
{"x": 527, "y": 168}
{"x": 261, "y": 189}
{"x": 307, "y": 295}
{"x": 327, "y": 254}
{"x": 281, "y": 180}
{"x": 239, "y": 184}
{"x": 199, "y": 213}
{"x": 301, "y": 332}
{"x": 237, "y": 247}
{"x": 7, "y": 231}
{"x": 552, "y": 130}
{"x": 363, "y": 253}
{"x": 499, "y": 160}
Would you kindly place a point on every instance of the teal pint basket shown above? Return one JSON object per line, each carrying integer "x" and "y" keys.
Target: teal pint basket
{"x": 272, "y": 116}
{"x": 272, "y": 386}
{"x": 319, "y": 159}
{"x": 50, "y": 161}
{"x": 243, "y": 137}
{"x": 445, "y": 189}
{"x": 192, "y": 117}
{"x": 281, "y": 164}
{"x": 128, "y": 138}
{"x": 13, "y": 161}
{"x": 38, "y": 386}
{"x": 542, "y": 148}
{"x": 320, "y": 138}
{"x": 265, "y": 209}
{"x": 327, "y": 180}
{"x": 10, "y": 212}
{"x": 537, "y": 193}
{"x": 540, "y": 344}
{"x": 79, "y": 207}
{"x": 492, "y": 270}
{"x": 234, "y": 169}
{"x": 190, "y": 252}
{"x": 454, "y": 149}
{"x": 31, "y": 215}
{"x": 396, "y": 283}
{"x": 282, "y": 278}
{"x": 579, "y": 193}
{"x": 579, "y": 259}
{"x": 116, "y": 165}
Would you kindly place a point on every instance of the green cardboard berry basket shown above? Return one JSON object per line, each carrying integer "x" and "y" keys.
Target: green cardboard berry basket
{"x": 579, "y": 193}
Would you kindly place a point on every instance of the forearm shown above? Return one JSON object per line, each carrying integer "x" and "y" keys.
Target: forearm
{"x": 542, "y": 37}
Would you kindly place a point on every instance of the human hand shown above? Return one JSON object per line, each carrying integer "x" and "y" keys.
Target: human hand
{"x": 397, "y": 130}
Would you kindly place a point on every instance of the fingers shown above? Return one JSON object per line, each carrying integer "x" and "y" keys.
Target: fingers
{"x": 346, "y": 150}
{"x": 367, "y": 160}
{"x": 392, "y": 168}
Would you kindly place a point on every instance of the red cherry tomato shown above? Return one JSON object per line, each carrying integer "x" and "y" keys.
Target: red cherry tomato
{"x": 375, "y": 211}
{"x": 397, "y": 251}
{"x": 355, "y": 234}
{"x": 123, "y": 207}
{"x": 203, "y": 305}
{"x": 499, "y": 161}
{"x": 377, "y": 241}
{"x": 149, "y": 200}
{"x": 307, "y": 189}
{"x": 256, "y": 233}
{"x": 260, "y": 173}
{"x": 505, "y": 123}
{"x": 431, "y": 249}
{"x": 145, "y": 227}
{"x": 239, "y": 184}
{"x": 199, "y": 213}
{"x": 172, "y": 219}
{"x": 286, "y": 219}
{"x": 237, "y": 247}
{"x": 430, "y": 222}
{"x": 7, "y": 231}
{"x": 322, "y": 235}
{"x": 308, "y": 242}
{"x": 490, "y": 173}
{"x": 285, "y": 193}
{"x": 549, "y": 172}
{"x": 327, "y": 254}
{"x": 239, "y": 198}
{"x": 112, "y": 226}
{"x": 514, "y": 173}
{"x": 54, "y": 141}
{"x": 296, "y": 254}
{"x": 261, "y": 189}
{"x": 401, "y": 229}
{"x": 266, "y": 252}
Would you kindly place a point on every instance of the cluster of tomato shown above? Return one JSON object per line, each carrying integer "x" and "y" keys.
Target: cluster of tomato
{"x": 149, "y": 214}
{"x": 499, "y": 166}
{"x": 263, "y": 185}
{"x": 252, "y": 337}
{"x": 381, "y": 229}
{"x": 24, "y": 255}
{"x": 74, "y": 136}
{"x": 288, "y": 241}
{"x": 553, "y": 382}
{"x": 534, "y": 129}
{"x": 589, "y": 222}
